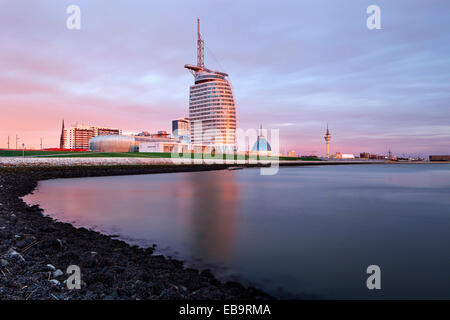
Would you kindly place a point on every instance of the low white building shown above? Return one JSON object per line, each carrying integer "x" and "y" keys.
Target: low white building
{"x": 339, "y": 155}
{"x": 161, "y": 146}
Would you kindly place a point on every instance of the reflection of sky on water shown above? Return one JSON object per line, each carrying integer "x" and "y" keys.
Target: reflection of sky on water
{"x": 308, "y": 230}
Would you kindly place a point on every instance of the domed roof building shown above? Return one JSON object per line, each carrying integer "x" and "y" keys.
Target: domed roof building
{"x": 261, "y": 145}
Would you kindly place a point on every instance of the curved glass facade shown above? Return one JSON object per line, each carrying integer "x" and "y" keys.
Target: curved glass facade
{"x": 113, "y": 143}
{"x": 261, "y": 145}
{"x": 211, "y": 103}
{"x": 212, "y": 110}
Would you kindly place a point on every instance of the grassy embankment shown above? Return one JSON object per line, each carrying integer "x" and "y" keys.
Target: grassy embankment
{"x": 71, "y": 154}
{"x": 30, "y": 153}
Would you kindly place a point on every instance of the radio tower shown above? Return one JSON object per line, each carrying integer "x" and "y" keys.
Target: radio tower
{"x": 200, "y": 48}
{"x": 328, "y": 139}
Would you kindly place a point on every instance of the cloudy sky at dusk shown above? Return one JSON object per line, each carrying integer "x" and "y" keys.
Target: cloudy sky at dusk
{"x": 294, "y": 65}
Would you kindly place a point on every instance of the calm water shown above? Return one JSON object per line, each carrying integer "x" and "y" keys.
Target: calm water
{"x": 307, "y": 231}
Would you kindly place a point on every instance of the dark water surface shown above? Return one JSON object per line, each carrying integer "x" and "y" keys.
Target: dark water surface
{"x": 307, "y": 231}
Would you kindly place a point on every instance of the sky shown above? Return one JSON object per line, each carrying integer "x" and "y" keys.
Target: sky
{"x": 294, "y": 66}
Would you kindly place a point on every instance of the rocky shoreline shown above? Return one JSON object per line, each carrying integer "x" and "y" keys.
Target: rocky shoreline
{"x": 35, "y": 250}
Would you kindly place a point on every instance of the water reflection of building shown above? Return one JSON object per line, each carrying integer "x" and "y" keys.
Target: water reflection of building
{"x": 213, "y": 214}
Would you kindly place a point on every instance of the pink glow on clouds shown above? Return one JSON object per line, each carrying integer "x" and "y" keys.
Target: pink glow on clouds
{"x": 309, "y": 64}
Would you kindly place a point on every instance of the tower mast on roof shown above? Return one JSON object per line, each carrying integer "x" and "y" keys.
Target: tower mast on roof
{"x": 200, "y": 48}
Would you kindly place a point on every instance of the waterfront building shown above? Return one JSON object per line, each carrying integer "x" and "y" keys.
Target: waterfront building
{"x": 212, "y": 109}
{"x": 181, "y": 129}
{"x": 113, "y": 143}
{"x": 157, "y": 142}
{"x": 439, "y": 158}
{"x": 377, "y": 157}
{"x": 261, "y": 145}
{"x": 78, "y": 137}
{"x": 328, "y": 139}
{"x": 339, "y": 155}
{"x": 291, "y": 153}
{"x": 160, "y": 146}
{"x": 364, "y": 155}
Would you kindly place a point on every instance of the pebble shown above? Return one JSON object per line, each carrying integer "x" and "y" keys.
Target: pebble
{"x": 3, "y": 262}
{"x": 57, "y": 273}
{"x": 13, "y": 253}
{"x": 51, "y": 267}
{"x": 54, "y": 282}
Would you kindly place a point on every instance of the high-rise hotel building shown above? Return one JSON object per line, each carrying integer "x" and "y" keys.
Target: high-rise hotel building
{"x": 212, "y": 109}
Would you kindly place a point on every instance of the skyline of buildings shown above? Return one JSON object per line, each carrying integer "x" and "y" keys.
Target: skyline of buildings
{"x": 79, "y": 137}
{"x": 381, "y": 89}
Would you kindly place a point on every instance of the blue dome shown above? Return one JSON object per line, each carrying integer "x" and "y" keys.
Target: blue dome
{"x": 261, "y": 145}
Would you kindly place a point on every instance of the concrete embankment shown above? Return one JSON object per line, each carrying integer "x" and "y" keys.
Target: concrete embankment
{"x": 89, "y": 161}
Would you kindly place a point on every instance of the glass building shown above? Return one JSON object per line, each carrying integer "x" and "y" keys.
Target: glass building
{"x": 122, "y": 143}
{"x": 261, "y": 145}
{"x": 212, "y": 109}
{"x": 181, "y": 129}
{"x": 113, "y": 143}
